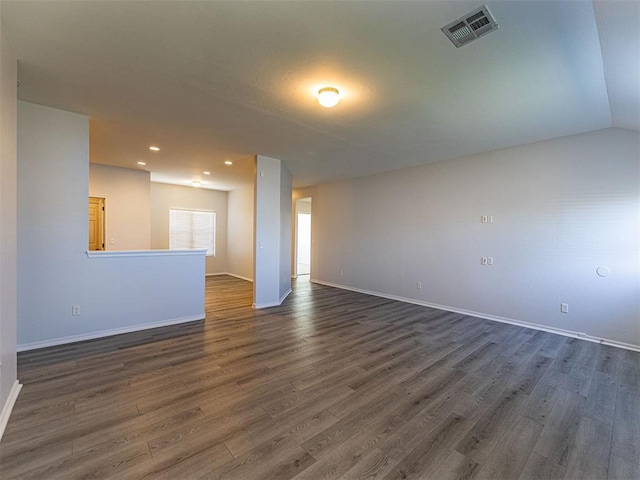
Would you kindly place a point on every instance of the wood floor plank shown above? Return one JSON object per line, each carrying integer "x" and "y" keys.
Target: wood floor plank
{"x": 456, "y": 467}
{"x": 381, "y": 461}
{"x": 340, "y": 460}
{"x": 180, "y": 465}
{"x": 331, "y": 384}
{"x": 346, "y": 427}
{"x": 544, "y": 396}
{"x": 601, "y": 399}
{"x": 630, "y": 370}
{"x": 19, "y": 464}
{"x": 560, "y": 429}
{"x": 541, "y": 468}
{"x": 425, "y": 457}
{"x": 266, "y": 459}
{"x": 211, "y": 430}
{"x": 303, "y": 424}
{"x": 530, "y": 374}
{"x": 626, "y": 424}
{"x": 622, "y": 469}
{"x": 492, "y": 425}
{"x": 485, "y": 393}
{"x": 589, "y": 457}
{"x": 510, "y": 455}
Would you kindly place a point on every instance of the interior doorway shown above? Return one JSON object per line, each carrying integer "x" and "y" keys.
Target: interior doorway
{"x": 96, "y": 223}
{"x": 303, "y": 237}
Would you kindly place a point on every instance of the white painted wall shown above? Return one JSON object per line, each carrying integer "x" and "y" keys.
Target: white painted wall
{"x": 272, "y": 232}
{"x": 165, "y": 196}
{"x": 9, "y": 386}
{"x": 128, "y": 208}
{"x": 115, "y": 294}
{"x": 560, "y": 208}
{"x": 240, "y": 232}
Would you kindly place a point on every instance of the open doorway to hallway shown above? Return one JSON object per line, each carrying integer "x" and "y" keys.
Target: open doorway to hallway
{"x": 303, "y": 237}
{"x": 96, "y": 223}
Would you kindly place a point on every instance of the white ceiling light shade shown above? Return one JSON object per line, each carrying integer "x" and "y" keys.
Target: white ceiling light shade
{"x": 153, "y": 148}
{"x": 328, "y": 97}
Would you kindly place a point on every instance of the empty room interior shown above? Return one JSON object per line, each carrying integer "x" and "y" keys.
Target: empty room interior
{"x": 320, "y": 240}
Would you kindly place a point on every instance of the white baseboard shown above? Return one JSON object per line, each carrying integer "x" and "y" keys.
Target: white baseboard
{"x": 8, "y": 406}
{"x": 240, "y": 277}
{"x": 534, "y": 326}
{"x": 231, "y": 275}
{"x": 284, "y": 297}
{"x": 258, "y": 306}
{"x": 106, "y": 333}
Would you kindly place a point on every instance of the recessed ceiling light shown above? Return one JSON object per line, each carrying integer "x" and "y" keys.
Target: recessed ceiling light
{"x": 154, "y": 149}
{"x": 228, "y": 162}
{"x": 195, "y": 183}
{"x": 142, "y": 163}
{"x": 206, "y": 173}
{"x": 328, "y": 97}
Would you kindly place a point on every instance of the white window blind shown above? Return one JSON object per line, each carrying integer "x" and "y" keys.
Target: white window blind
{"x": 192, "y": 229}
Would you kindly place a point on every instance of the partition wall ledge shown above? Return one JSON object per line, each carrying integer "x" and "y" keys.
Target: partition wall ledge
{"x": 143, "y": 253}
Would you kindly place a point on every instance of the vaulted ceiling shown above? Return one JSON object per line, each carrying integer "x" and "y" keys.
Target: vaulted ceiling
{"x": 214, "y": 81}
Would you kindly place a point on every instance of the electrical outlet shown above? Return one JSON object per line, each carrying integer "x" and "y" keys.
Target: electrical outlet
{"x": 419, "y": 285}
{"x": 564, "y": 307}
{"x": 483, "y": 260}
{"x": 341, "y": 273}
{"x": 489, "y": 260}
{"x": 75, "y": 310}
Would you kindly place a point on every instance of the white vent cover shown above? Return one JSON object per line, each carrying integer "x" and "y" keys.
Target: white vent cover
{"x": 470, "y": 26}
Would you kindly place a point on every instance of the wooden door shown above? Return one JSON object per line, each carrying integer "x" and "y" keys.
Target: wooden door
{"x": 96, "y": 223}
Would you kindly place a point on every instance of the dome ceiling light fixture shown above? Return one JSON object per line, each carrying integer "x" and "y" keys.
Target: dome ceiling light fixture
{"x": 328, "y": 97}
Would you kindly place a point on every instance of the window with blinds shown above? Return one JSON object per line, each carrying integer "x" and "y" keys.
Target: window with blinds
{"x": 192, "y": 229}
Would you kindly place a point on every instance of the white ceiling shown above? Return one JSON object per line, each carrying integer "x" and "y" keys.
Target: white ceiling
{"x": 211, "y": 81}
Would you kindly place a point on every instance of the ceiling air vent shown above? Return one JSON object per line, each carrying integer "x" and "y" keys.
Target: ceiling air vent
{"x": 470, "y": 26}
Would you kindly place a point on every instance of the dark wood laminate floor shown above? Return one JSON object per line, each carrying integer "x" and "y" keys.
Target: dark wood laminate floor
{"x": 332, "y": 384}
